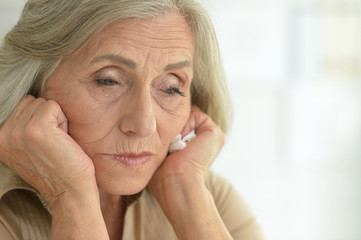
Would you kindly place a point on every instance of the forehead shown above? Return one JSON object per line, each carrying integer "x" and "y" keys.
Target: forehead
{"x": 168, "y": 35}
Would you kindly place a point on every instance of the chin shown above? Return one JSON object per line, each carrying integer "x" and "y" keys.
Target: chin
{"x": 127, "y": 189}
{"x": 122, "y": 185}
{"x": 119, "y": 180}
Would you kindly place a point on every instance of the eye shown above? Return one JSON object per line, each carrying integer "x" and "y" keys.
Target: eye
{"x": 174, "y": 90}
{"x": 106, "y": 82}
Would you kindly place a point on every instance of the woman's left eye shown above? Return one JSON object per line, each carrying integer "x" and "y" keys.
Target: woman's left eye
{"x": 172, "y": 91}
{"x": 106, "y": 82}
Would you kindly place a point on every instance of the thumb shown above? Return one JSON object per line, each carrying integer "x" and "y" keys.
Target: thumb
{"x": 58, "y": 117}
{"x": 62, "y": 121}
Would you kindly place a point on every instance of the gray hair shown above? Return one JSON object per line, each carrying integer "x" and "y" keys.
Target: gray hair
{"x": 50, "y": 30}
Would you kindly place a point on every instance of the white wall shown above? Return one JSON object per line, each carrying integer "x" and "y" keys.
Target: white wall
{"x": 294, "y": 71}
{"x": 294, "y": 152}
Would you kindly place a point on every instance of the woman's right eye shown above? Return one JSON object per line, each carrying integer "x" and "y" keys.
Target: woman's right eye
{"x": 106, "y": 82}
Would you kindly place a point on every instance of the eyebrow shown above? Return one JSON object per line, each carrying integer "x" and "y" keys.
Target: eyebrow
{"x": 176, "y": 66}
{"x": 114, "y": 58}
{"x": 133, "y": 65}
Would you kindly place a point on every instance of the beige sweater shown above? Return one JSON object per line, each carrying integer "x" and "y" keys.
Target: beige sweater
{"x": 24, "y": 213}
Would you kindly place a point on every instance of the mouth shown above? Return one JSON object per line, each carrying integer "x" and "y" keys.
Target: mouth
{"x": 131, "y": 160}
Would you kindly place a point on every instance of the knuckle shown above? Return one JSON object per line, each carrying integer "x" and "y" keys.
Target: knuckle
{"x": 214, "y": 131}
{"x": 33, "y": 133}
{"x": 50, "y": 106}
{"x": 51, "y": 103}
{"x": 218, "y": 134}
{"x": 28, "y": 97}
{"x": 39, "y": 101}
{"x": 222, "y": 138}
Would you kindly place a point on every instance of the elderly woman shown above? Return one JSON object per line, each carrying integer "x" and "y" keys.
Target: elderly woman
{"x": 92, "y": 92}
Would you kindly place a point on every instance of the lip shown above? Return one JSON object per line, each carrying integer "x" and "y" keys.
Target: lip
{"x": 131, "y": 160}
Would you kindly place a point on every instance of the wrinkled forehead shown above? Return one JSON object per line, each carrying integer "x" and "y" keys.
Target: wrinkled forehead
{"x": 171, "y": 35}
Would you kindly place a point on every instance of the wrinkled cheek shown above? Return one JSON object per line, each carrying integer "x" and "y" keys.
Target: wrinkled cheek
{"x": 172, "y": 126}
{"x": 87, "y": 125}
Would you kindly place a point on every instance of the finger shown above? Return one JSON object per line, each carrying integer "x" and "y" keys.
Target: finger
{"x": 22, "y": 105}
{"x": 196, "y": 119}
{"x": 51, "y": 114}
{"x": 208, "y": 134}
{"x": 17, "y": 124}
{"x": 191, "y": 123}
{"x": 29, "y": 110}
{"x": 62, "y": 120}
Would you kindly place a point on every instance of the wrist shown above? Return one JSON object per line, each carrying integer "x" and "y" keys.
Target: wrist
{"x": 84, "y": 189}
{"x": 76, "y": 204}
{"x": 191, "y": 210}
{"x": 176, "y": 190}
{"x": 74, "y": 201}
{"x": 77, "y": 215}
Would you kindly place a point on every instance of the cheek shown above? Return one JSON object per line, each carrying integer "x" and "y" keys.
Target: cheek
{"x": 86, "y": 125}
{"x": 88, "y": 120}
{"x": 171, "y": 124}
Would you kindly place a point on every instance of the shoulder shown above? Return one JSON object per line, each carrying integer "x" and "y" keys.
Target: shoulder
{"x": 22, "y": 214}
{"x": 234, "y": 211}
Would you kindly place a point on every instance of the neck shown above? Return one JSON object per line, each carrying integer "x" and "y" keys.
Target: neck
{"x": 113, "y": 209}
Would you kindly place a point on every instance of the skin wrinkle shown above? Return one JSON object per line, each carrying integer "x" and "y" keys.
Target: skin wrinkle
{"x": 158, "y": 39}
{"x": 147, "y": 59}
{"x": 183, "y": 65}
{"x": 146, "y": 31}
{"x": 127, "y": 62}
{"x": 129, "y": 148}
{"x": 168, "y": 51}
{"x": 174, "y": 113}
{"x": 141, "y": 35}
{"x": 108, "y": 120}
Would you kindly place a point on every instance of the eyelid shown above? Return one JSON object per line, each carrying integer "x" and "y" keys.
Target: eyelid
{"x": 181, "y": 79}
{"x": 105, "y": 70}
{"x": 111, "y": 73}
{"x": 178, "y": 82}
{"x": 183, "y": 75}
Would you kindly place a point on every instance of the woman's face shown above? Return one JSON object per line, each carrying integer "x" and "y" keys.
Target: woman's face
{"x": 126, "y": 96}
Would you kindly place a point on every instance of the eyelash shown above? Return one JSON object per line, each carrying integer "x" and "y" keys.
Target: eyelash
{"x": 170, "y": 91}
{"x": 105, "y": 82}
{"x": 174, "y": 90}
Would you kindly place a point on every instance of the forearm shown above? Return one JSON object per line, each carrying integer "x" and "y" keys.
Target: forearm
{"x": 191, "y": 210}
{"x": 78, "y": 217}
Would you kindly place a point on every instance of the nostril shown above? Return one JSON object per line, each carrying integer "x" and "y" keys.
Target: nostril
{"x": 139, "y": 117}
{"x": 137, "y": 123}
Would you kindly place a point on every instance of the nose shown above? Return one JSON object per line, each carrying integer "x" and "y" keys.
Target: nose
{"x": 139, "y": 119}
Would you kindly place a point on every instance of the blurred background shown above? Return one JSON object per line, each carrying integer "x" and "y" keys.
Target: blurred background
{"x": 294, "y": 72}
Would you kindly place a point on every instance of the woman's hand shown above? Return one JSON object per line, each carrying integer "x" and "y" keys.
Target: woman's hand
{"x": 179, "y": 184}
{"x": 194, "y": 161}
{"x": 35, "y": 144}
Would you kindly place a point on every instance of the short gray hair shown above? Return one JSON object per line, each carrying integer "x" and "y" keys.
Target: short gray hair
{"x": 50, "y": 30}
